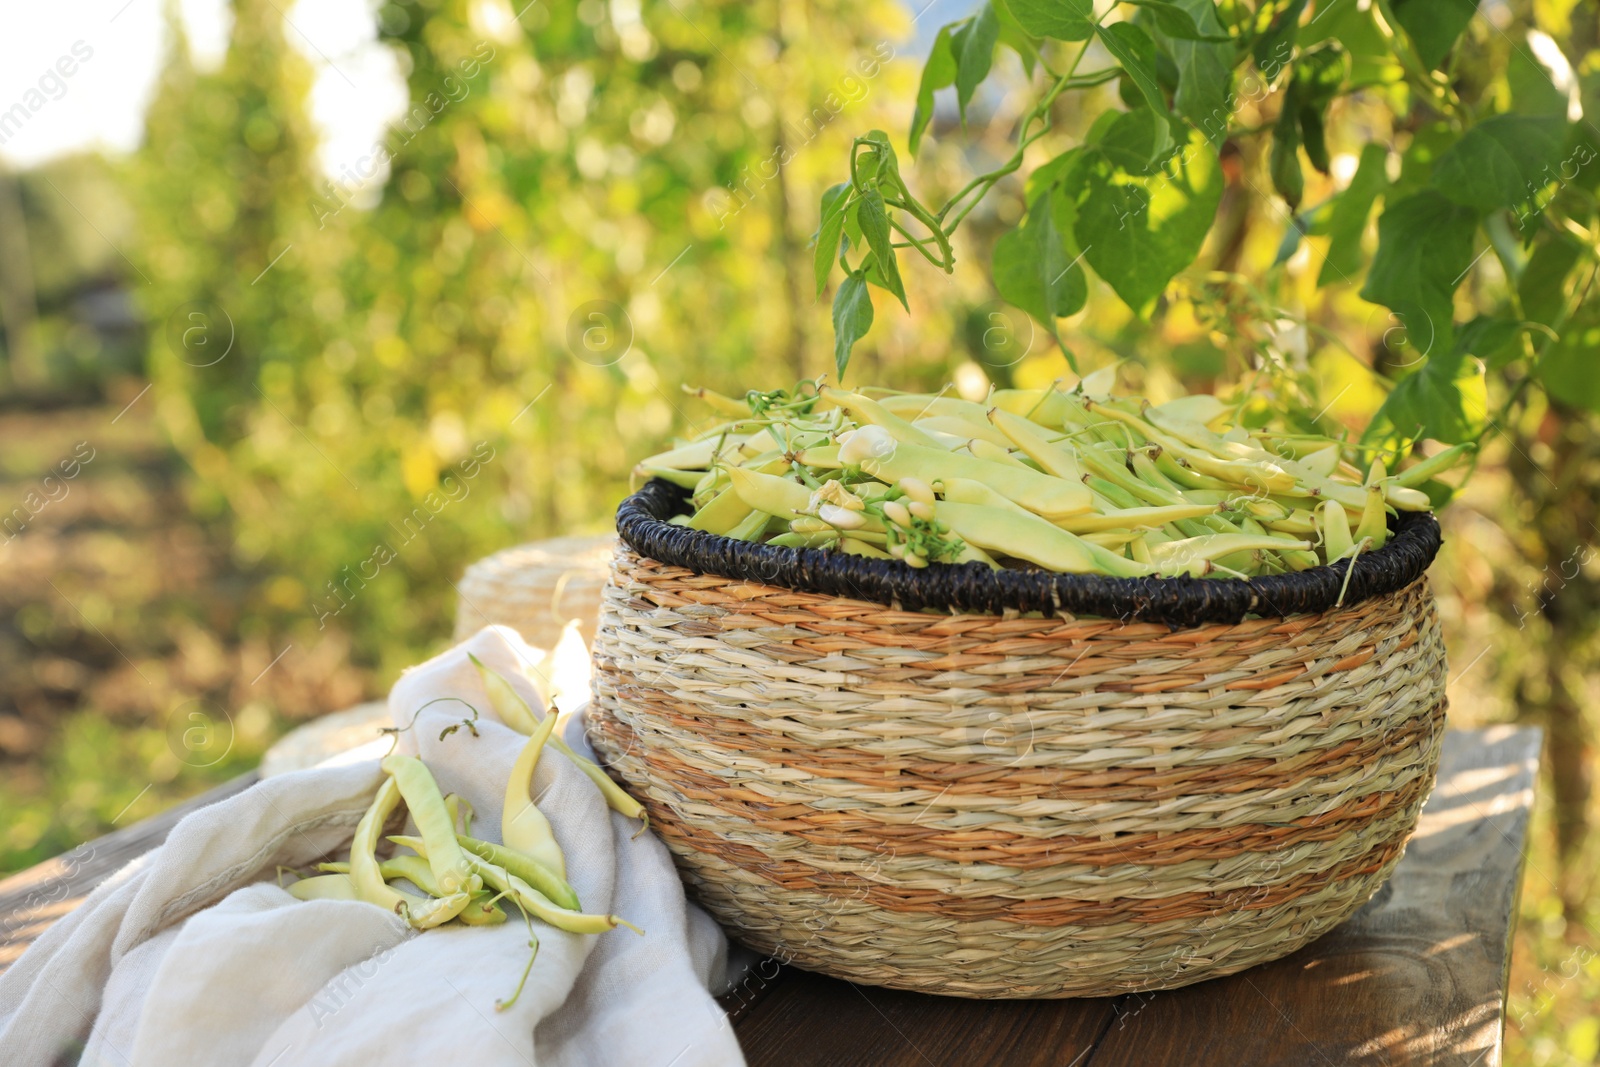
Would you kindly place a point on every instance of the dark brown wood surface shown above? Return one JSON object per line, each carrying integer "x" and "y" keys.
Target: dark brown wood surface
{"x": 31, "y": 900}
{"x": 1418, "y": 976}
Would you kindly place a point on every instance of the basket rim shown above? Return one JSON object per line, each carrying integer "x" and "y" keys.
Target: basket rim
{"x": 973, "y": 588}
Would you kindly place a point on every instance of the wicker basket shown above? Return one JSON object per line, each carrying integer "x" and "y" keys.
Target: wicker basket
{"x": 1009, "y": 804}
{"x": 536, "y": 589}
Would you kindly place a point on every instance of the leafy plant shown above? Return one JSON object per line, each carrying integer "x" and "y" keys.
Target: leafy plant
{"x": 1479, "y": 169}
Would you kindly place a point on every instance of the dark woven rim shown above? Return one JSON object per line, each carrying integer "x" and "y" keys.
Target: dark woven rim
{"x": 975, "y": 588}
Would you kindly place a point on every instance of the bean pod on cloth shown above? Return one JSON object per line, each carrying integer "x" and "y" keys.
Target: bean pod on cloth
{"x": 1017, "y": 805}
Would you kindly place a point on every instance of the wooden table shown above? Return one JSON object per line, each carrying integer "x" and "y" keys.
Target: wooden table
{"x": 1418, "y": 976}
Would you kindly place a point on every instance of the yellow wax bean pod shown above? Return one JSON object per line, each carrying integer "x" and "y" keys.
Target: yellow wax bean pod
{"x": 434, "y": 823}
{"x": 916, "y": 406}
{"x": 1201, "y": 408}
{"x": 1265, "y": 472}
{"x": 1335, "y": 525}
{"x": 725, "y": 511}
{"x": 507, "y": 701}
{"x": 769, "y": 493}
{"x": 1374, "y": 525}
{"x": 1033, "y": 539}
{"x": 994, "y": 453}
{"x": 522, "y": 825}
{"x": 963, "y": 429}
{"x": 541, "y": 907}
{"x": 1135, "y": 518}
{"x": 1217, "y": 545}
{"x": 694, "y": 456}
{"x": 325, "y": 887}
{"x": 866, "y": 410}
{"x": 525, "y": 867}
{"x": 825, "y": 457}
{"x": 970, "y": 491}
{"x": 682, "y": 479}
{"x": 1404, "y": 498}
{"x": 1036, "y": 444}
{"x": 367, "y": 878}
{"x": 751, "y": 527}
{"x": 1047, "y": 407}
{"x": 857, "y": 547}
{"x": 727, "y": 405}
{"x": 971, "y": 553}
{"x": 1039, "y": 493}
{"x": 511, "y": 708}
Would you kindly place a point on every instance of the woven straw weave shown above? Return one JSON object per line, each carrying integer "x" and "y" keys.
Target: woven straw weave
{"x": 536, "y": 589}
{"x": 997, "y": 806}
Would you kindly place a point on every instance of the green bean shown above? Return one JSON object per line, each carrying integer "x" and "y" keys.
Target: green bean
{"x": 751, "y": 527}
{"x": 805, "y": 540}
{"x": 525, "y": 867}
{"x": 1438, "y": 463}
{"x": 683, "y": 479}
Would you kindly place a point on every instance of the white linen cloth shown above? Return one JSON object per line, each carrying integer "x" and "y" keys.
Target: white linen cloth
{"x": 192, "y": 954}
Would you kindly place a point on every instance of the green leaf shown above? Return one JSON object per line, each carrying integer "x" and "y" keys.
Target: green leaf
{"x": 1136, "y": 52}
{"x": 875, "y": 227}
{"x": 834, "y": 202}
{"x": 1274, "y": 47}
{"x": 1318, "y": 76}
{"x": 1542, "y": 287}
{"x": 938, "y": 72}
{"x": 1490, "y": 339}
{"x": 1570, "y": 369}
{"x": 1433, "y": 25}
{"x": 1424, "y": 250}
{"x": 974, "y": 51}
{"x": 1287, "y": 177}
{"x": 1446, "y": 400}
{"x": 1065, "y": 20}
{"x": 852, "y": 318}
{"x": 1349, "y": 219}
{"x": 1176, "y": 22}
{"x": 1205, "y": 72}
{"x": 1036, "y": 265}
{"x": 886, "y": 168}
{"x": 1501, "y": 161}
{"x": 1532, "y": 85}
{"x": 1138, "y": 228}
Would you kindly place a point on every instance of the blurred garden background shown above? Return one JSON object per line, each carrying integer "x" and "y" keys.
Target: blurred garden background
{"x": 273, "y": 376}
